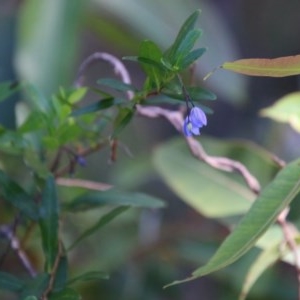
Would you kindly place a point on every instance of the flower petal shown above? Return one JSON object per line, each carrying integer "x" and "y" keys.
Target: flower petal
{"x": 197, "y": 117}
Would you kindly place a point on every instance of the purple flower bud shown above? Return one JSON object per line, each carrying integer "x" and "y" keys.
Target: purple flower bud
{"x": 81, "y": 161}
{"x": 194, "y": 121}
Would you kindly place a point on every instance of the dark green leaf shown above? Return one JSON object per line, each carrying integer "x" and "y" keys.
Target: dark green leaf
{"x": 31, "y": 298}
{"x": 148, "y": 61}
{"x": 36, "y": 286}
{"x": 10, "y": 282}
{"x": 186, "y": 45}
{"x": 66, "y": 294}
{"x": 92, "y": 275}
{"x": 19, "y": 198}
{"x": 116, "y": 84}
{"x": 61, "y": 275}
{"x": 49, "y": 210}
{"x": 7, "y": 89}
{"x": 189, "y": 24}
{"x": 196, "y": 93}
{"x": 264, "y": 211}
{"x": 123, "y": 118}
{"x": 100, "y": 105}
{"x": 113, "y": 197}
{"x": 191, "y": 58}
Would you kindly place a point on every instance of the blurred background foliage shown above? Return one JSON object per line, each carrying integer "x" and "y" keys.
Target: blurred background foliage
{"x": 44, "y": 41}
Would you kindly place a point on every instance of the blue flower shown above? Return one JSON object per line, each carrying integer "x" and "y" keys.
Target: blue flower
{"x": 195, "y": 120}
{"x": 81, "y": 160}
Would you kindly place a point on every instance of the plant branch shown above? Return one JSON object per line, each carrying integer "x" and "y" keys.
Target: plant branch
{"x": 221, "y": 163}
{"x": 290, "y": 232}
{"x": 14, "y": 243}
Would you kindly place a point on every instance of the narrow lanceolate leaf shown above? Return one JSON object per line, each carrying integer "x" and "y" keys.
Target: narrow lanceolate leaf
{"x": 276, "y": 67}
{"x": 113, "y": 197}
{"x": 19, "y": 198}
{"x": 286, "y": 110}
{"x": 102, "y": 222}
{"x": 10, "y": 283}
{"x": 89, "y": 276}
{"x": 191, "y": 58}
{"x": 273, "y": 199}
{"x": 99, "y": 105}
{"x": 188, "y": 26}
{"x": 116, "y": 84}
{"x": 49, "y": 223}
{"x": 265, "y": 260}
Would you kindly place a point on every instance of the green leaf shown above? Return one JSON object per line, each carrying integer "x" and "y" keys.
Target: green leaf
{"x": 276, "y": 67}
{"x": 100, "y": 105}
{"x": 286, "y": 110}
{"x": 92, "y": 275}
{"x": 264, "y": 211}
{"x": 49, "y": 210}
{"x": 123, "y": 118}
{"x": 190, "y": 58}
{"x": 19, "y": 198}
{"x": 66, "y": 294}
{"x": 10, "y": 282}
{"x": 7, "y": 89}
{"x": 196, "y": 93}
{"x": 35, "y": 121}
{"x": 265, "y": 260}
{"x": 61, "y": 275}
{"x": 77, "y": 95}
{"x": 186, "y": 45}
{"x": 150, "y": 56}
{"x": 35, "y": 286}
{"x": 147, "y": 61}
{"x": 101, "y": 222}
{"x": 188, "y": 26}
{"x": 113, "y": 197}
{"x": 213, "y": 193}
{"x": 117, "y": 85}
{"x": 37, "y": 99}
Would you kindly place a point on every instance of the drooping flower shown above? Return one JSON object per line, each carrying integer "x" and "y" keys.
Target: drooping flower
{"x": 195, "y": 120}
{"x": 81, "y": 160}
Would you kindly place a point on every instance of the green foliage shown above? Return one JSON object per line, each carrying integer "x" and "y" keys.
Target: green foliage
{"x": 56, "y": 130}
{"x": 285, "y": 110}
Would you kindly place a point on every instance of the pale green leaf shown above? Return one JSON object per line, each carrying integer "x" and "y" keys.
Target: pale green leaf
{"x": 286, "y": 110}
{"x": 265, "y": 260}
{"x": 210, "y": 192}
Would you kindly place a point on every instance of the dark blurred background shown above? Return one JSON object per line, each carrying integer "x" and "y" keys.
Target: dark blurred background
{"x": 44, "y": 42}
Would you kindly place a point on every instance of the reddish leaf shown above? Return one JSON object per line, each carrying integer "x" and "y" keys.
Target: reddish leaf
{"x": 276, "y": 67}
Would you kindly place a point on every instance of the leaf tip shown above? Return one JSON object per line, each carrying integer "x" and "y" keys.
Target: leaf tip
{"x": 179, "y": 282}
